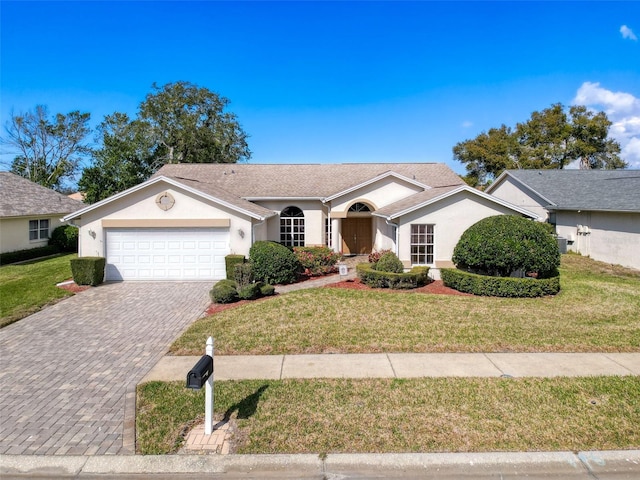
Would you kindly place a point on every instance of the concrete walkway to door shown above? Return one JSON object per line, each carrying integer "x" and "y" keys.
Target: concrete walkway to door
{"x": 69, "y": 372}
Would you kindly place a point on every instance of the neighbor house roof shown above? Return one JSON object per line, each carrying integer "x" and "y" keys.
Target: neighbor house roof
{"x": 320, "y": 181}
{"x": 23, "y": 198}
{"x": 607, "y": 190}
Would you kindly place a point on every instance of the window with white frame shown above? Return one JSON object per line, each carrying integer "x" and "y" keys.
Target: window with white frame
{"x": 327, "y": 232}
{"x": 292, "y": 227}
{"x": 421, "y": 244}
{"x": 38, "y": 229}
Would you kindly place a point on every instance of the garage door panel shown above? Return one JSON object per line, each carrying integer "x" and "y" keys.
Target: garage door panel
{"x": 167, "y": 254}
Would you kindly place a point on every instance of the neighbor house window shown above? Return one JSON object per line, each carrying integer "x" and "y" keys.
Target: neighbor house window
{"x": 422, "y": 244}
{"x": 327, "y": 232}
{"x": 292, "y": 227}
{"x": 38, "y": 229}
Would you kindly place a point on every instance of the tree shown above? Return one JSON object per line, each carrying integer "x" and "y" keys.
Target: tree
{"x": 48, "y": 151}
{"x": 177, "y": 123}
{"x": 550, "y": 139}
{"x": 122, "y": 161}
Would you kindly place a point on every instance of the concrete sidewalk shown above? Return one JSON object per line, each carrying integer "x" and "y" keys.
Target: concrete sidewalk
{"x": 403, "y": 365}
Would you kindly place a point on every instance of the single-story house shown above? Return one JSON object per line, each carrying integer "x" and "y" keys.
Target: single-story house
{"x": 183, "y": 221}
{"x": 596, "y": 211}
{"x": 29, "y": 213}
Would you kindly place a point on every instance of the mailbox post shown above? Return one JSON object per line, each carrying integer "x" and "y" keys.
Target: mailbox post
{"x": 202, "y": 374}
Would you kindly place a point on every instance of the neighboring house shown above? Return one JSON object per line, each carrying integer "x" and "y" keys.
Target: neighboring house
{"x": 29, "y": 213}
{"x": 596, "y": 211}
{"x": 182, "y": 222}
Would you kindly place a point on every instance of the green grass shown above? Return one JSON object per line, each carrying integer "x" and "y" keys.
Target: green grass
{"x": 391, "y": 415}
{"x": 27, "y": 287}
{"x": 596, "y": 311}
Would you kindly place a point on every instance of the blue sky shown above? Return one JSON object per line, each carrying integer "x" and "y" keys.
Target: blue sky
{"x": 327, "y": 82}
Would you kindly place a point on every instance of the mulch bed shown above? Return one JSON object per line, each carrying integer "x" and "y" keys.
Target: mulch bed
{"x": 73, "y": 287}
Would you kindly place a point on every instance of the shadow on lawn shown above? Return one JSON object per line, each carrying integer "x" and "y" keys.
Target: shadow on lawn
{"x": 247, "y": 406}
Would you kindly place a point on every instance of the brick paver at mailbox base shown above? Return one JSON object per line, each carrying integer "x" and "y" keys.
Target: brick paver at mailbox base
{"x": 70, "y": 371}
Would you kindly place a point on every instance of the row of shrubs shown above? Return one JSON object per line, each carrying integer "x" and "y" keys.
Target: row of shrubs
{"x": 416, "y": 277}
{"x": 63, "y": 239}
{"x": 499, "y": 286}
{"x": 269, "y": 264}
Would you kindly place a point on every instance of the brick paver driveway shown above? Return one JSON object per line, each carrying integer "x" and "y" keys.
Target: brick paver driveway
{"x": 68, "y": 373}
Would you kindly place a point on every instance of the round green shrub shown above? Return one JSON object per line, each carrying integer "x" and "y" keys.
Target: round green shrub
{"x": 500, "y": 245}
{"x": 249, "y": 292}
{"x": 267, "y": 290}
{"x": 224, "y": 292}
{"x": 273, "y": 263}
{"x": 65, "y": 237}
{"x": 389, "y": 262}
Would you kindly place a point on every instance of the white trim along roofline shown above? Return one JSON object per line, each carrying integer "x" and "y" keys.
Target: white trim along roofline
{"x": 153, "y": 181}
{"x": 453, "y": 192}
{"x": 520, "y": 182}
{"x": 390, "y": 173}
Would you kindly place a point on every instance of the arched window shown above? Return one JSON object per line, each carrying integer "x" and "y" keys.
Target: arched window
{"x": 292, "y": 227}
{"x": 359, "y": 207}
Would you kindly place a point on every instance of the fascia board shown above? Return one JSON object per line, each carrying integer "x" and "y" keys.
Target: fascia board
{"x": 153, "y": 181}
{"x": 375, "y": 179}
{"x": 462, "y": 188}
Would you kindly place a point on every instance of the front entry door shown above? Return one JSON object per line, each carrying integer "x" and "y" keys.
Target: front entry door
{"x": 356, "y": 236}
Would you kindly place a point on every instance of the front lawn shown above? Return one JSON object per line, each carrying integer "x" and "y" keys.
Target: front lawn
{"x": 396, "y": 415}
{"x": 596, "y": 311}
{"x": 27, "y": 287}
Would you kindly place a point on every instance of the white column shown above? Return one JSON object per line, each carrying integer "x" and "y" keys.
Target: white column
{"x": 335, "y": 234}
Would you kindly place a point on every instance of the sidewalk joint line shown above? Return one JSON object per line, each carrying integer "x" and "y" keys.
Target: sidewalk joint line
{"x": 282, "y": 366}
{"x": 502, "y": 372}
{"x": 605, "y": 355}
{"x": 395, "y": 375}
{"x": 585, "y": 464}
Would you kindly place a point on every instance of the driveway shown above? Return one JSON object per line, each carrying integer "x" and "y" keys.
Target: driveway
{"x": 68, "y": 373}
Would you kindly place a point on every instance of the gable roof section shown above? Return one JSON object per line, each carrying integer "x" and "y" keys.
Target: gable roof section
{"x": 24, "y": 198}
{"x": 604, "y": 190}
{"x": 428, "y": 197}
{"x": 317, "y": 181}
{"x": 218, "y": 196}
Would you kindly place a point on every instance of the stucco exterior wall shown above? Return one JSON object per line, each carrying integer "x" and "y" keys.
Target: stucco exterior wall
{"x": 377, "y": 195}
{"x": 450, "y": 217}
{"x": 14, "y": 233}
{"x": 612, "y": 237}
{"x": 141, "y": 205}
{"x": 513, "y": 193}
{"x": 313, "y": 219}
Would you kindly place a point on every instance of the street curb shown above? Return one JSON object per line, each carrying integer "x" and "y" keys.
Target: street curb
{"x": 593, "y": 462}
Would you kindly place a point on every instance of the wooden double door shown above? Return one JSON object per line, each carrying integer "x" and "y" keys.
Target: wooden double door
{"x": 357, "y": 238}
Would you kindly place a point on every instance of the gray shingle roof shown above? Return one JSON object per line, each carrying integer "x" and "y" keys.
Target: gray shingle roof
{"x": 611, "y": 190}
{"x": 22, "y": 197}
{"x": 300, "y": 181}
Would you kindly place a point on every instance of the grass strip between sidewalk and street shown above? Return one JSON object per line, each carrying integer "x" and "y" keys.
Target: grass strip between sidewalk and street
{"x": 396, "y": 415}
{"x": 596, "y": 311}
{"x": 28, "y": 286}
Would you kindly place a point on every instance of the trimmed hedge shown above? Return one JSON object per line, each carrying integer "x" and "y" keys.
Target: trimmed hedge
{"x": 389, "y": 262}
{"x": 243, "y": 274}
{"x": 273, "y": 263}
{"x": 88, "y": 270}
{"x": 317, "y": 260}
{"x": 487, "y": 286}
{"x": 30, "y": 254}
{"x": 230, "y": 262}
{"x": 249, "y": 292}
{"x": 417, "y": 277}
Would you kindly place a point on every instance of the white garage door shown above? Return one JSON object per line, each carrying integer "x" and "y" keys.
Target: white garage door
{"x": 166, "y": 253}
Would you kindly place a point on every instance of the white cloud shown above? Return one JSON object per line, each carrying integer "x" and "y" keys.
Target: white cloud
{"x": 623, "y": 109}
{"x": 627, "y": 33}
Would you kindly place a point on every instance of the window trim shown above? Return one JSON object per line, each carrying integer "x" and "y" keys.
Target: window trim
{"x": 39, "y": 229}
{"x": 429, "y": 232}
{"x": 292, "y": 218}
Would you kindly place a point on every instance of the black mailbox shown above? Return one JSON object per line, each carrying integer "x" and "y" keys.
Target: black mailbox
{"x": 200, "y": 372}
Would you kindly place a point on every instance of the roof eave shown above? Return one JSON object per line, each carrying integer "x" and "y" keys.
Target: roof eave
{"x": 375, "y": 179}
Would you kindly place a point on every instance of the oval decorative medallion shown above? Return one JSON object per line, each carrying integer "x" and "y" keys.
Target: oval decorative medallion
{"x": 165, "y": 201}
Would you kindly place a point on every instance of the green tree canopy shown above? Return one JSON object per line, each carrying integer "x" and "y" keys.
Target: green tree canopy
{"x": 48, "y": 150}
{"x": 176, "y": 123}
{"x": 550, "y": 139}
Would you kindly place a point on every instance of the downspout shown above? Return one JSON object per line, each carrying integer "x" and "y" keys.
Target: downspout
{"x": 253, "y": 230}
{"x": 397, "y": 230}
